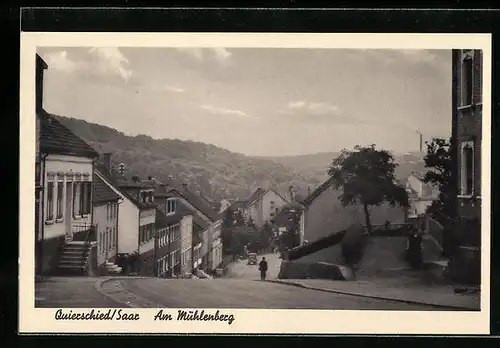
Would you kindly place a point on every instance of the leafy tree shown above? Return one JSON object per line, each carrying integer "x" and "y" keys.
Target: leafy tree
{"x": 439, "y": 161}
{"x": 365, "y": 175}
{"x": 227, "y": 230}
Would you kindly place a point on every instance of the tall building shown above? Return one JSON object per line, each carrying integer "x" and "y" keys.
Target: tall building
{"x": 467, "y": 135}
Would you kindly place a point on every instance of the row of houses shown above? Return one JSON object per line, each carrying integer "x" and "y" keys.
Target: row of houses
{"x": 91, "y": 217}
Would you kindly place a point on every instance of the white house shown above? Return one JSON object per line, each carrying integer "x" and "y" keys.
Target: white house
{"x": 324, "y": 214}
{"x": 263, "y": 205}
{"x": 66, "y": 165}
{"x": 136, "y": 223}
{"x": 106, "y": 204}
{"x": 420, "y": 193}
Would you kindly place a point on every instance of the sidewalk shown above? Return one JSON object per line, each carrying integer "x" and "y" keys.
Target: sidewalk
{"x": 387, "y": 289}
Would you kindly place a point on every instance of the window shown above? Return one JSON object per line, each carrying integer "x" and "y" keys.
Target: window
{"x": 82, "y": 197}
{"x": 171, "y": 206}
{"x": 59, "y": 201}
{"x": 50, "y": 201}
{"x": 467, "y": 168}
{"x": 467, "y": 79}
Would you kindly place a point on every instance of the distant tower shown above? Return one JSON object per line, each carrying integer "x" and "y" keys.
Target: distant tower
{"x": 421, "y": 142}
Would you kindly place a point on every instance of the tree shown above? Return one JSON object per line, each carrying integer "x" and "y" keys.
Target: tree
{"x": 227, "y": 230}
{"x": 365, "y": 175}
{"x": 439, "y": 161}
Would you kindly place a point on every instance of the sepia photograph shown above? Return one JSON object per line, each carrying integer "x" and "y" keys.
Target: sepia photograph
{"x": 218, "y": 178}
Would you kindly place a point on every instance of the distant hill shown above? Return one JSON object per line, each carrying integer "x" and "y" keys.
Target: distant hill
{"x": 213, "y": 171}
{"x": 318, "y": 163}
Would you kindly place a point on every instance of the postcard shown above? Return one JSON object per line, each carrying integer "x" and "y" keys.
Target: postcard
{"x": 255, "y": 183}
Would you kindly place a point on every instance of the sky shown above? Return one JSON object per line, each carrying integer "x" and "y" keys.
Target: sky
{"x": 257, "y": 101}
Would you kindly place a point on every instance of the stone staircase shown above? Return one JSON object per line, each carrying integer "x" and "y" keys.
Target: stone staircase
{"x": 74, "y": 258}
{"x": 112, "y": 268}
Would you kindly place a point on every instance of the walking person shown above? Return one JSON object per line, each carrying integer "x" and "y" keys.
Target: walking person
{"x": 263, "y": 268}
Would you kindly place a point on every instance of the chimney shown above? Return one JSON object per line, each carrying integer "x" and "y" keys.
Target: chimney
{"x": 184, "y": 185}
{"x": 308, "y": 190}
{"x": 40, "y": 67}
{"x": 135, "y": 178}
{"x": 107, "y": 161}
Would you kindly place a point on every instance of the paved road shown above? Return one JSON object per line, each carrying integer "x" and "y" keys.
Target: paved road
{"x": 240, "y": 269}
{"x": 242, "y": 293}
{"x": 67, "y": 292}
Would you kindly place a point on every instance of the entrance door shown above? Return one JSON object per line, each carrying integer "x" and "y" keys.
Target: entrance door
{"x": 69, "y": 211}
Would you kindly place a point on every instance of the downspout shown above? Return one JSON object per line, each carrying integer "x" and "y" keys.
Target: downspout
{"x": 42, "y": 223}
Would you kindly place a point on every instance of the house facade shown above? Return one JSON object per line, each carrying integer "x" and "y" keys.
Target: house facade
{"x": 467, "y": 132}
{"x": 323, "y": 214}
{"x": 168, "y": 244}
{"x": 39, "y": 69}
{"x": 66, "y": 174}
{"x": 206, "y": 225}
{"x": 106, "y": 204}
{"x": 421, "y": 194}
{"x": 263, "y": 205}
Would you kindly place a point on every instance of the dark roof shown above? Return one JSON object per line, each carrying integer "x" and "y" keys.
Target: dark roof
{"x": 40, "y": 62}
{"x": 319, "y": 190}
{"x": 56, "y": 138}
{"x": 198, "y": 202}
{"x": 102, "y": 192}
{"x": 256, "y": 195}
{"x": 116, "y": 183}
{"x": 162, "y": 220}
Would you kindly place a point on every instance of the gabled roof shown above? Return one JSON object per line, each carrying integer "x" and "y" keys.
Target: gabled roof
{"x": 198, "y": 202}
{"x": 259, "y": 192}
{"x": 102, "y": 192}
{"x": 56, "y": 138}
{"x": 319, "y": 190}
{"x": 115, "y": 182}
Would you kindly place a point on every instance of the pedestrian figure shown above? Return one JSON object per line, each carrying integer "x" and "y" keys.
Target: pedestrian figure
{"x": 263, "y": 268}
{"x": 415, "y": 248}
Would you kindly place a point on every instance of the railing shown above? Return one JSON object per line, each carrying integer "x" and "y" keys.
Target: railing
{"x": 85, "y": 232}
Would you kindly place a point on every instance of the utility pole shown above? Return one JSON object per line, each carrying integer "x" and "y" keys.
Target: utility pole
{"x": 421, "y": 144}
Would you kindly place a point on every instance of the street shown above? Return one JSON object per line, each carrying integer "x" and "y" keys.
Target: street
{"x": 243, "y": 293}
{"x": 241, "y": 270}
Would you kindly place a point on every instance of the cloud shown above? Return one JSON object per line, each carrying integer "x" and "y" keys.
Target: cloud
{"x": 94, "y": 62}
{"x": 167, "y": 88}
{"x": 314, "y": 108}
{"x": 223, "y": 111}
{"x": 60, "y": 61}
{"x": 111, "y": 61}
{"x": 303, "y": 111}
{"x": 219, "y": 54}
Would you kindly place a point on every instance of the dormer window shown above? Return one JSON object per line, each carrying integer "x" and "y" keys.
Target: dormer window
{"x": 171, "y": 205}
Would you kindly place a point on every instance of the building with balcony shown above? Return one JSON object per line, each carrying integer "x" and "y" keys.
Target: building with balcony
{"x": 66, "y": 174}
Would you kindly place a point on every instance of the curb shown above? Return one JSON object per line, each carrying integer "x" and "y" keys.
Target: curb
{"x": 371, "y": 296}
{"x": 127, "y": 299}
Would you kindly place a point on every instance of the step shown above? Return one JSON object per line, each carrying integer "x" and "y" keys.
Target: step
{"x": 115, "y": 271}
{"x": 72, "y": 257}
{"x": 76, "y": 248}
{"x": 72, "y": 262}
{"x": 73, "y": 267}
